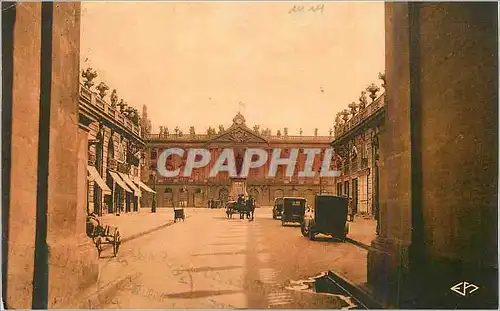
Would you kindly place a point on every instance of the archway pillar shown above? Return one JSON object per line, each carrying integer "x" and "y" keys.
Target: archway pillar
{"x": 438, "y": 158}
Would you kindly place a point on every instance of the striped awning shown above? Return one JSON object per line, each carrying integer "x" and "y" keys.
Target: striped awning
{"x": 142, "y": 185}
{"x": 94, "y": 175}
{"x": 120, "y": 182}
{"x": 130, "y": 184}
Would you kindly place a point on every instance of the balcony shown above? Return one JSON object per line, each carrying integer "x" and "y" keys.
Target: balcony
{"x": 112, "y": 164}
{"x": 92, "y": 159}
{"x": 123, "y": 168}
{"x": 91, "y": 98}
{"x": 361, "y": 116}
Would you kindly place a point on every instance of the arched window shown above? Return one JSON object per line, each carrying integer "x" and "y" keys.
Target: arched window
{"x": 198, "y": 190}
{"x": 168, "y": 190}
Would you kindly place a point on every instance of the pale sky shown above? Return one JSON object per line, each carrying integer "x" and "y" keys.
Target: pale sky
{"x": 191, "y": 63}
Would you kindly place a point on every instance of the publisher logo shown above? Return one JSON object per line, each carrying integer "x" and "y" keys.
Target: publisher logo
{"x": 464, "y": 288}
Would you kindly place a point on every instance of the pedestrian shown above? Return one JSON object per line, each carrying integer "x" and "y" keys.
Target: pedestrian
{"x": 252, "y": 206}
{"x": 241, "y": 206}
{"x": 249, "y": 207}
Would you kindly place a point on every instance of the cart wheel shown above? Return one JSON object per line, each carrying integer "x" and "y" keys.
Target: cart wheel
{"x": 98, "y": 246}
{"x": 282, "y": 221}
{"x": 274, "y": 216}
{"x": 116, "y": 243}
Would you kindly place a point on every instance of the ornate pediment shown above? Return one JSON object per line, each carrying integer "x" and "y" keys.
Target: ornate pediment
{"x": 239, "y": 134}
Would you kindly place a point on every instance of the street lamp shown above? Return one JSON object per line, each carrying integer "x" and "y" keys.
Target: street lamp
{"x": 153, "y": 204}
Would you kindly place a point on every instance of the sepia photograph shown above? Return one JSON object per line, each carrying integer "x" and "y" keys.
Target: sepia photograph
{"x": 249, "y": 155}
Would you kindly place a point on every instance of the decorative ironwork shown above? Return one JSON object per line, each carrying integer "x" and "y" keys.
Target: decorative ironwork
{"x": 256, "y": 129}
{"x": 89, "y": 75}
{"x": 278, "y": 133}
{"x": 92, "y": 159}
{"x": 102, "y": 88}
{"x": 221, "y": 129}
{"x": 112, "y": 164}
{"x": 191, "y": 131}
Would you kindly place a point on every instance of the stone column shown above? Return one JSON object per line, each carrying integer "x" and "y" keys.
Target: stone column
{"x": 47, "y": 260}
{"x": 72, "y": 263}
{"x": 439, "y": 157}
{"x": 19, "y": 216}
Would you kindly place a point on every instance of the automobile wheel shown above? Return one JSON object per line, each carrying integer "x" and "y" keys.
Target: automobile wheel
{"x": 303, "y": 229}
{"x": 310, "y": 233}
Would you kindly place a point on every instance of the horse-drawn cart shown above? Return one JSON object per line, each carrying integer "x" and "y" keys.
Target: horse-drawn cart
{"x": 103, "y": 235}
{"x": 179, "y": 214}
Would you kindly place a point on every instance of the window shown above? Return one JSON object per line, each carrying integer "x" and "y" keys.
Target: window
{"x": 153, "y": 154}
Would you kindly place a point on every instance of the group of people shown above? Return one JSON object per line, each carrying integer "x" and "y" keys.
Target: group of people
{"x": 246, "y": 206}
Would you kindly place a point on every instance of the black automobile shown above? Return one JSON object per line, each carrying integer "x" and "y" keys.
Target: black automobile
{"x": 277, "y": 208}
{"x": 328, "y": 216}
{"x": 293, "y": 210}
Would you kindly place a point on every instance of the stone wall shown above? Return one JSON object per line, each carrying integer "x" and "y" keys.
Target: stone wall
{"x": 439, "y": 151}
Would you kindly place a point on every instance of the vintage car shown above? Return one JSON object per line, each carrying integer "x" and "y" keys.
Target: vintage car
{"x": 293, "y": 210}
{"x": 328, "y": 216}
{"x": 277, "y": 208}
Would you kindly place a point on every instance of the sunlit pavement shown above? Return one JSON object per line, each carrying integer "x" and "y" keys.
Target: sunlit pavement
{"x": 210, "y": 261}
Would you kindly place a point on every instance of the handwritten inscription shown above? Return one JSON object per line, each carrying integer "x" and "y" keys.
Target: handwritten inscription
{"x": 305, "y": 9}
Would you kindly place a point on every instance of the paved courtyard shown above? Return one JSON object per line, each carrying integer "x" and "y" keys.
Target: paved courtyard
{"x": 210, "y": 261}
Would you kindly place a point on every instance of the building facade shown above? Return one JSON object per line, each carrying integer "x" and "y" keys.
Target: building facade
{"x": 115, "y": 146}
{"x": 199, "y": 188}
{"x": 356, "y": 141}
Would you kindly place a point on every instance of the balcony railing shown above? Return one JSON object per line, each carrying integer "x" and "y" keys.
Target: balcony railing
{"x": 100, "y": 104}
{"x": 361, "y": 116}
{"x": 176, "y": 136}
